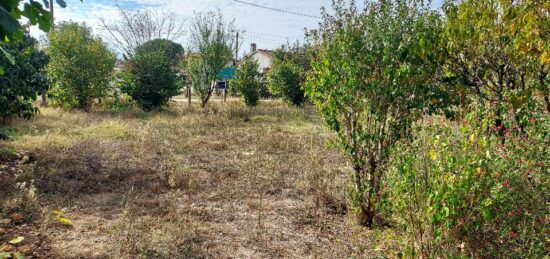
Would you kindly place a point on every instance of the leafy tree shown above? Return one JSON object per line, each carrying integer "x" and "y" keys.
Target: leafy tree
{"x": 173, "y": 51}
{"x": 11, "y": 12}
{"x": 22, "y": 80}
{"x": 247, "y": 83}
{"x": 372, "y": 76}
{"x": 152, "y": 80}
{"x": 285, "y": 80}
{"x": 212, "y": 42}
{"x": 497, "y": 51}
{"x": 80, "y": 67}
{"x": 288, "y": 74}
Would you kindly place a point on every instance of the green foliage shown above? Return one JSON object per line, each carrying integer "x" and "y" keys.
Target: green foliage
{"x": 11, "y": 12}
{"x": 458, "y": 191}
{"x": 80, "y": 67}
{"x": 212, "y": 43}
{"x": 286, "y": 77}
{"x": 247, "y": 83}
{"x": 495, "y": 51}
{"x": 372, "y": 76}
{"x": 151, "y": 80}
{"x": 22, "y": 80}
{"x": 173, "y": 51}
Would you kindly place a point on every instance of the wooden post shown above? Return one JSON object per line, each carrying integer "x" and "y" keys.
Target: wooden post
{"x": 225, "y": 91}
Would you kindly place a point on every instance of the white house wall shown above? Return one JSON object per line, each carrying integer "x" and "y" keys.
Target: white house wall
{"x": 263, "y": 60}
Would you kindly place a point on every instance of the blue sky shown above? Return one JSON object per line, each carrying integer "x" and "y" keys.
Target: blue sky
{"x": 267, "y": 28}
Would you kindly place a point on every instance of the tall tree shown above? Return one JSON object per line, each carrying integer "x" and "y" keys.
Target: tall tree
{"x": 153, "y": 80}
{"x": 247, "y": 83}
{"x": 211, "y": 44}
{"x": 80, "y": 65}
{"x": 371, "y": 77}
{"x": 134, "y": 28}
{"x": 288, "y": 73}
{"x": 23, "y": 80}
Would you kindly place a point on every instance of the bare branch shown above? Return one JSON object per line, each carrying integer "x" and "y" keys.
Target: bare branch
{"x": 134, "y": 28}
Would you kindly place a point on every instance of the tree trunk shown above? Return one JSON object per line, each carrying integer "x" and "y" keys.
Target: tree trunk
{"x": 500, "y": 129}
{"x": 547, "y": 102}
{"x": 357, "y": 182}
{"x": 205, "y": 101}
{"x": 189, "y": 96}
{"x": 369, "y": 212}
{"x": 44, "y": 98}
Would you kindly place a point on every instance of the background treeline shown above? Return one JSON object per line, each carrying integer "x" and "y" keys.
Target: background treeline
{"x": 444, "y": 117}
{"x": 76, "y": 69}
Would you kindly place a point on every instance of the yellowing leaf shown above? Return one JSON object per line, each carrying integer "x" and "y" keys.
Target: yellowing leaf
{"x": 65, "y": 221}
{"x": 544, "y": 58}
{"x": 59, "y": 215}
{"x": 16, "y": 240}
{"x": 433, "y": 155}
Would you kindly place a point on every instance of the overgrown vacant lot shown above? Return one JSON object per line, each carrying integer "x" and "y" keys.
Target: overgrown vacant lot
{"x": 226, "y": 181}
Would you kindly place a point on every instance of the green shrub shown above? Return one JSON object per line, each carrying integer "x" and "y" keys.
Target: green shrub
{"x": 80, "y": 66}
{"x": 173, "y": 51}
{"x": 151, "y": 80}
{"x": 285, "y": 79}
{"x": 458, "y": 191}
{"x": 247, "y": 83}
{"x": 371, "y": 80}
{"x": 288, "y": 73}
{"x": 23, "y": 80}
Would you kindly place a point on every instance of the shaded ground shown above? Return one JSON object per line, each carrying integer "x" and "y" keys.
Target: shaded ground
{"x": 225, "y": 182}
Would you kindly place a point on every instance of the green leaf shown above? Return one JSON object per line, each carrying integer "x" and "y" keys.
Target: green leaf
{"x": 7, "y": 22}
{"x": 8, "y": 55}
{"x": 61, "y": 3}
{"x": 487, "y": 214}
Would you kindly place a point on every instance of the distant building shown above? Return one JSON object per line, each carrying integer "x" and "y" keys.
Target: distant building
{"x": 262, "y": 56}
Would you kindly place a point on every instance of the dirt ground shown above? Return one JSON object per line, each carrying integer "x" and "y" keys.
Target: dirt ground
{"x": 222, "y": 182}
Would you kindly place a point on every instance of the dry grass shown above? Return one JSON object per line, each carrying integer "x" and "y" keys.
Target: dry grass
{"x": 227, "y": 181}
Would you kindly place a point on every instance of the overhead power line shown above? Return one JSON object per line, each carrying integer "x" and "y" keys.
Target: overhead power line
{"x": 277, "y": 10}
{"x": 267, "y": 35}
